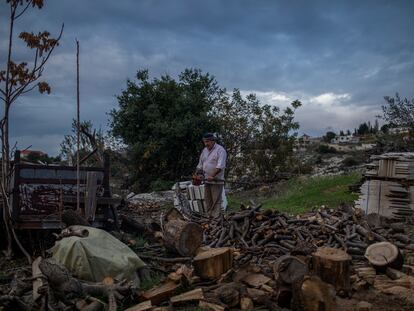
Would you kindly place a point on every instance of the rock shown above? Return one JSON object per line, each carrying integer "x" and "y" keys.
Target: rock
{"x": 363, "y": 306}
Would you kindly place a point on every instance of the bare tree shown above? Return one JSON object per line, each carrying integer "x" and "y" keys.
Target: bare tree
{"x": 18, "y": 79}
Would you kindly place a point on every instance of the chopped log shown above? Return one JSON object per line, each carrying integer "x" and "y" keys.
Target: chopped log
{"x": 161, "y": 293}
{"x": 246, "y": 304}
{"x": 143, "y": 306}
{"x": 256, "y": 279}
{"x": 191, "y": 296}
{"x": 210, "y": 306}
{"x": 288, "y": 269}
{"x": 312, "y": 294}
{"x": 384, "y": 254}
{"x": 255, "y": 294}
{"x": 367, "y": 274}
{"x": 394, "y": 274}
{"x": 213, "y": 263}
{"x": 183, "y": 237}
{"x": 363, "y": 306}
{"x": 333, "y": 266}
{"x": 229, "y": 295}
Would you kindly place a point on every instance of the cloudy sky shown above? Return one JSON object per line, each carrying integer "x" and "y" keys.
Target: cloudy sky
{"x": 338, "y": 57}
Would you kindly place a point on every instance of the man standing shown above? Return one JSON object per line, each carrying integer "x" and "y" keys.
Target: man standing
{"x": 212, "y": 164}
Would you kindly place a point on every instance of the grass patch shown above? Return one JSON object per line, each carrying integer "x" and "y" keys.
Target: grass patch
{"x": 299, "y": 195}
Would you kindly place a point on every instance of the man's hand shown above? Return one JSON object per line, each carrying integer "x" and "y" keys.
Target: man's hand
{"x": 211, "y": 178}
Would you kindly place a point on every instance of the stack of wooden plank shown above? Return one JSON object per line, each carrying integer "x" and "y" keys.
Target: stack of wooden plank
{"x": 195, "y": 195}
{"x": 389, "y": 188}
{"x": 392, "y": 165}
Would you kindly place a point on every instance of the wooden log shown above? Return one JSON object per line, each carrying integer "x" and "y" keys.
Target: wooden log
{"x": 384, "y": 254}
{"x": 229, "y": 295}
{"x": 288, "y": 269}
{"x": 213, "y": 262}
{"x": 190, "y": 296}
{"x": 161, "y": 293}
{"x": 312, "y": 294}
{"x": 183, "y": 237}
{"x": 246, "y": 304}
{"x": 205, "y": 305}
{"x": 143, "y": 306}
{"x": 333, "y": 266}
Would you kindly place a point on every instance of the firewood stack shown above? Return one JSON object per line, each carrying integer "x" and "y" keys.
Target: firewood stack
{"x": 389, "y": 188}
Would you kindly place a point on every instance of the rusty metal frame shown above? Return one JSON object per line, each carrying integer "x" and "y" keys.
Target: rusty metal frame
{"x": 25, "y": 221}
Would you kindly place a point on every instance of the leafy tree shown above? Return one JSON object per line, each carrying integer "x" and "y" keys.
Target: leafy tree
{"x": 341, "y": 133}
{"x": 398, "y": 112}
{"x": 329, "y": 136}
{"x": 16, "y": 79}
{"x": 363, "y": 129}
{"x": 348, "y": 132}
{"x": 162, "y": 120}
{"x": 44, "y": 158}
{"x": 91, "y": 140}
{"x": 258, "y": 138}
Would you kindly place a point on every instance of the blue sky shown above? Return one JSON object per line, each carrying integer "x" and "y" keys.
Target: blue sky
{"x": 338, "y": 57}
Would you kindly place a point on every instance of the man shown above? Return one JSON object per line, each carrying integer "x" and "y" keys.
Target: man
{"x": 212, "y": 164}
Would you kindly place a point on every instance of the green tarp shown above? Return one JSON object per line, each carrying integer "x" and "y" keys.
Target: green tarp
{"x": 97, "y": 256}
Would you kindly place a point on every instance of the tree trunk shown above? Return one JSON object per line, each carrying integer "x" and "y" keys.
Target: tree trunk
{"x": 213, "y": 263}
{"x": 333, "y": 266}
{"x": 183, "y": 237}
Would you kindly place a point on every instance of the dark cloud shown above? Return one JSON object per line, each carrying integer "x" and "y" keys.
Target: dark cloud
{"x": 300, "y": 48}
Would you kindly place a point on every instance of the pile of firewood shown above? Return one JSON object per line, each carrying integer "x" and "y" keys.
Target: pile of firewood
{"x": 266, "y": 235}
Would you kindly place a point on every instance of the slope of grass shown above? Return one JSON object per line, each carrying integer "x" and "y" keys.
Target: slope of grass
{"x": 299, "y": 195}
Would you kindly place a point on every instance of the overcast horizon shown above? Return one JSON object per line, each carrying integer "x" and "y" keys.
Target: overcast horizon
{"x": 339, "y": 58}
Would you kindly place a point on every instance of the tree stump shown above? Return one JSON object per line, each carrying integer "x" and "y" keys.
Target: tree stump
{"x": 288, "y": 269}
{"x": 333, "y": 266}
{"x": 183, "y": 237}
{"x": 213, "y": 262}
{"x": 312, "y": 294}
{"x": 384, "y": 254}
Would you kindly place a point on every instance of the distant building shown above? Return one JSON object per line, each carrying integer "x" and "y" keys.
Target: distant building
{"x": 25, "y": 153}
{"x": 345, "y": 139}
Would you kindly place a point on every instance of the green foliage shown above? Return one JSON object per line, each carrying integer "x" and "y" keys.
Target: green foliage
{"x": 329, "y": 136}
{"x": 350, "y": 161}
{"x": 398, "y": 112}
{"x": 324, "y": 149}
{"x": 299, "y": 195}
{"x": 258, "y": 138}
{"x": 162, "y": 120}
{"x": 89, "y": 140}
{"x": 44, "y": 158}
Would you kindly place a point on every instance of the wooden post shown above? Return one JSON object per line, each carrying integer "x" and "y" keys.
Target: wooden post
{"x": 15, "y": 206}
{"x": 77, "y": 130}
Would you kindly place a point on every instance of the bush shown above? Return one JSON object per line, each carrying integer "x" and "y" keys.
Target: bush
{"x": 161, "y": 185}
{"x": 326, "y": 149}
{"x": 350, "y": 161}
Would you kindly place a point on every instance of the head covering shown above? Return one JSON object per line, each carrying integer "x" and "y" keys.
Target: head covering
{"x": 209, "y": 136}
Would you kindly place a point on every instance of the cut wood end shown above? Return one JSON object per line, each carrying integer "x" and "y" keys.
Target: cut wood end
{"x": 333, "y": 254}
{"x": 382, "y": 253}
{"x": 212, "y": 252}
